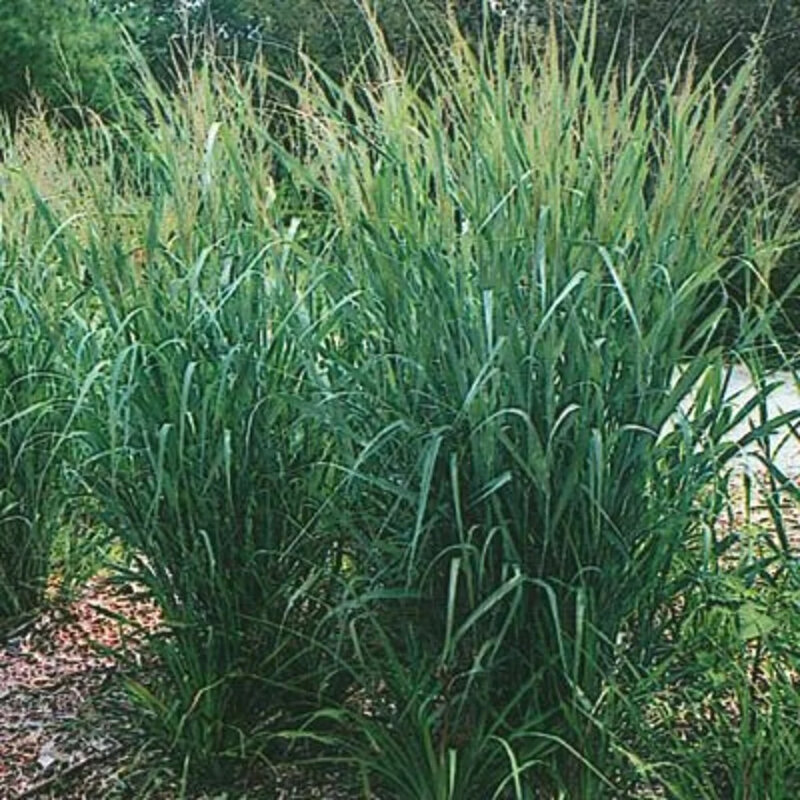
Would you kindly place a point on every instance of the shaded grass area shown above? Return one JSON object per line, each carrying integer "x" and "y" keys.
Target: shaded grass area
{"x": 422, "y": 449}
{"x": 727, "y": 653}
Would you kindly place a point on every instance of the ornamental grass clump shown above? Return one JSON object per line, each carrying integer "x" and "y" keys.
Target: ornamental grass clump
{"x": 541, "y": 252}
{"x": 198, "y": 336}
{"x": 215, "y": 474}
{"x": 402, "y": 398}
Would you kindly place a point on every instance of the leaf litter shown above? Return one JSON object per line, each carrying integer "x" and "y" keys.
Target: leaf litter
{"x": 52, "y": 673}
{"x": 67, "y": 729}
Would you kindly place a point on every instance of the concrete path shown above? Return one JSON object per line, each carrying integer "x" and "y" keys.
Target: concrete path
{"x": 785, "y": 398}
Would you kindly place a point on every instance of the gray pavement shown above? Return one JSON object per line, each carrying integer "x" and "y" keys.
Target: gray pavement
{"x": 785, "y": 398}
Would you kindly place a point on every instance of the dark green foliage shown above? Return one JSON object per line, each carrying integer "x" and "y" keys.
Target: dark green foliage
{"x": 31, "y": 428}
{"x": 721, "y": 33}
{"x": 534, "y": 249}
{"x": 333, "y": 33}
{"x": 715, "y": 712}
{"x": 213, "y": 464}
{"x": 60, "y": 51}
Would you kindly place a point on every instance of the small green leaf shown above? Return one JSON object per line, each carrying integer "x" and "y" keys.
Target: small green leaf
{"x": 753, "y": 622}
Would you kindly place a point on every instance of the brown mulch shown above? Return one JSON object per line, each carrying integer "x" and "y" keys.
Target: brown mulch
{"x": 753, "y": 516}
{"x": 63, "y": 735}
{"x": 53, "y": 671}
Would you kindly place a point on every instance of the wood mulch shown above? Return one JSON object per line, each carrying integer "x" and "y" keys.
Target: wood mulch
{"x": 55, "y": 673}
{"x": 64, "y": 733}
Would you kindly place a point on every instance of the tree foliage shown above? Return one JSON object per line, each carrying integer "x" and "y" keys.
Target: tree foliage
{"x": 61, "y": 51}
{"x": 332, "y": 32}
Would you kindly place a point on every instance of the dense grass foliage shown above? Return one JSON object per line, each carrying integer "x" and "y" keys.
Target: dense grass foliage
{"x": 29, "y": 433}
{"x": 537, "y": 254}
{"x": 195, "y": 340}
{"x": 213, "y": 466}
{"x": 35, "y": 415}
{"x": 405, "y": 404}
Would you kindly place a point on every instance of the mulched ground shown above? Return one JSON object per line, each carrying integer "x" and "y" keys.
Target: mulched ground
{"x": 53, "y": 677}
{"x": 63, "y": 728}
{"x": 60, "y": 738}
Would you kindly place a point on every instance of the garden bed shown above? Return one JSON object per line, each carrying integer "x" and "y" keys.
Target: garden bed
{"x": 64, "y": 731}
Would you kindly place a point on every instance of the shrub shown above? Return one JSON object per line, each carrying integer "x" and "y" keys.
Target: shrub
{"x": 61, "y": 52}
